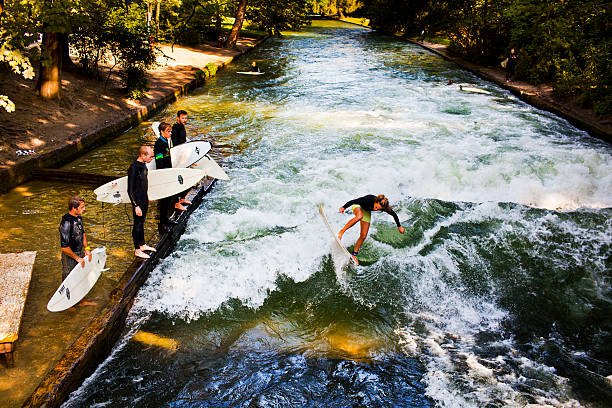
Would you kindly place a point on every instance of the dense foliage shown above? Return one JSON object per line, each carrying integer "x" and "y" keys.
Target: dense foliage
{"x": 566, "y": 43}
{"x": 121, "y": 33}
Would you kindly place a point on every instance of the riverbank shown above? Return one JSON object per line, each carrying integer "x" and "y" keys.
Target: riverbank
{"x": 93, "y": 111}
{"x": 540, "y": 96}
{"x": 60, "y": 349}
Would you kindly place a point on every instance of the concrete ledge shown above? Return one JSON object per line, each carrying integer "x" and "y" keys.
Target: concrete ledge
{"x": 98, "y": 339}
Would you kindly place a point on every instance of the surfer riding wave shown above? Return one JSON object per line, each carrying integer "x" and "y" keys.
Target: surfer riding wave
{"x": 362, "y": 209}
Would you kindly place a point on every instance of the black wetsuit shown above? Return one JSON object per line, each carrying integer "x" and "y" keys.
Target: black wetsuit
{"x": 510, "y": 66}
{"x": 367, "y": 203}
{"x": 162, "y": 154}
{"x": 71, "y": 236}
{"x": 179, "y": 134}
{"x": 138, "y": 186}
{"x": 254, "y": 69}
{"x": 163, "y": 160}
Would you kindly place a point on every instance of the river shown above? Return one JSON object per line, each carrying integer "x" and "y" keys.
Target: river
{"x": 497, "y": 295}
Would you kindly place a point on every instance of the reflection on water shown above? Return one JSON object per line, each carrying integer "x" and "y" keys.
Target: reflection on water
{"x": 497, "y": 291}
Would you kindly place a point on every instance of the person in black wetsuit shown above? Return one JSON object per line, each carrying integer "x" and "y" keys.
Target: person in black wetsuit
{"x": 163, "y": 160}
{"x": 362, "y": 208}
{"x": 179, "y": 136}
{"x": 511, "y": 65}
{"x": 138, "y": 186}
{"x": 254, "y": 67}
{"x": 73, "y": 240}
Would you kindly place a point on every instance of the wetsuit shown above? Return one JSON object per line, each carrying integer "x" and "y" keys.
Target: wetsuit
{"x": 367, "y": 204}
{"x": 163, "y": 160}
{"x": 179, "y": 134}
{"x": 254, "y": 69}
{"x": 71, "y": 235}
{"x": 138, "y": 186}
{"x": 510, "y": 65}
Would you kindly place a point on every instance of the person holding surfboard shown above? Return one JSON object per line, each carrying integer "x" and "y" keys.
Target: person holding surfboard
{"x": 138, "y": 186}
{"x": 362, "y": 209}
{"x": 73, "y": 240}
{"x": 163, "y": 160}
{"x": 179, "y": 136}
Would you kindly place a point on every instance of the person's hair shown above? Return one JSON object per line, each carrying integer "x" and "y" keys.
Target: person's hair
{"x": 143, "y": 149}
{"x": 163, "y": 126}
{"x": 180, "y": 113}
{"x": 74, "y": 202}
{"x": 383, "y": 201}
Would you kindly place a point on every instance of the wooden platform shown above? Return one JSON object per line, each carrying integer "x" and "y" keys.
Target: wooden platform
{"x": 17, "y": 272}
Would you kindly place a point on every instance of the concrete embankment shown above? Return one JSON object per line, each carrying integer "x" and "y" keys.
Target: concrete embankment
{"x": 540, "y": 97}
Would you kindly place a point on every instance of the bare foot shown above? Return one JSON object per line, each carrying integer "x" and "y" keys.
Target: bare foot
{"x": 340, "y": 236}
{"x": 180, "y": 207}
{"x": 141, "y": 254}
{"x": 183, "y": 201}
{"x": 147, "y": 248}
{"x": 86, "y": 303}
{"x": 355, "y": 259}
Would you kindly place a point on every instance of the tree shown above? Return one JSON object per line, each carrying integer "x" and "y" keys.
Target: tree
{"x": 55, "y": 21}
{"x": 9, "y": 51}
{"x": 233, "y": 36}
{"x": 276, "y": 16}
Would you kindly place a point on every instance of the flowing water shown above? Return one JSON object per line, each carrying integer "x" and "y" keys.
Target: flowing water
{"x": 497, "y": 295}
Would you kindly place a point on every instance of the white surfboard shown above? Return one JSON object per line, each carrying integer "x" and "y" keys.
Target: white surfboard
{"x": 162, "y": 183}
{"x": 79, "y": 282}
{"x": 473, "y": 90}
{"x": 183, "y": 155}
{"x": 249, "y": 73}
{"x": 211, "y": 168}
{"x": 186, "y": 154}
{"x": 338, "y": 243}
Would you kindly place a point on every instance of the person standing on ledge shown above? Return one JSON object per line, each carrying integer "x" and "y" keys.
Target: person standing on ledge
{"x": 511, "y": 65}
{"x": 362, "y": 208}
{"x": 163, "y": 160}
{"x": 138, "y": 186}
{"x": 179, "y": 136}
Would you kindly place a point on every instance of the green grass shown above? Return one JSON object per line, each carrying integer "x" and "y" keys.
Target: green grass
{"x": 361, "y": 21}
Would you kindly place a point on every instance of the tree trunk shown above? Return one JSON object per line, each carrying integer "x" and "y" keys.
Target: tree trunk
{"x": 233, "y": 36}
{"x": 49, "y": 84}
{"x": 67, "y": 63}
{"x": 157, "y": 20}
